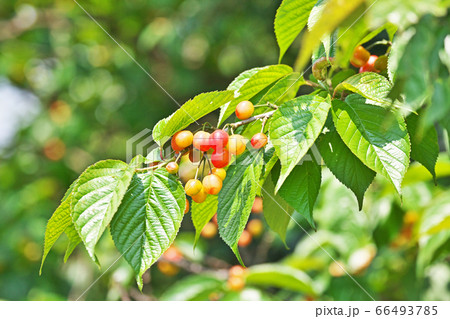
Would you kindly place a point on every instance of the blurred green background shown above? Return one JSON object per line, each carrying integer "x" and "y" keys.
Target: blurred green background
{"x": 70, "y": 96}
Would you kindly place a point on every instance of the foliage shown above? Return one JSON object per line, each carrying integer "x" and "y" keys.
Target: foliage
{"x": 367, "y": 126}
{"x": 371, "y": 133}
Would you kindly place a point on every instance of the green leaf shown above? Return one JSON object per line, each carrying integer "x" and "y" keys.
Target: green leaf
{"x": 334, "y": 12}
{"x": 55, "y": 227}
{"x": 424, "y": 143}
{"x": 96, "y": 197}
{"x": 293, "y": 129}
{"x": 277, "y": 212}
{"x": 349, "y": 35}
{"x": 74, "y": 240}
{"x": 237, "y": 196}
{"x": 58, "y": 223}
{"x": 375, "y": 135}
{"x": 301, "y": 188}
{"x": 371, "y": 85}
{"x": 280, "y": 276}
{"x": 347, "y": 168}
{"x": 202, "y": 213}
{"x": 255, "y": 84}
{"x": 242, "y": 78}
{"x": 439, "y": 108}
{"x": 191, "y": 288}
{"x": 148, "y": 219}
{"x": 189, "y": 113}
{"x": 326, "y": 48}
{"x": 284, "y": 90}
{"x": 389, "y": 27}
{"x": 435, "y": 222}
{"x": 270, "y": 159}
{"x": 418, "y": 68}
{"x": 290, "y": 19}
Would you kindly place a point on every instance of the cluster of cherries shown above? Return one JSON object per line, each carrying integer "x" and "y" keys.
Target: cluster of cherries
{"x": 220, "y": 146}
{"x": 366, "y": 62}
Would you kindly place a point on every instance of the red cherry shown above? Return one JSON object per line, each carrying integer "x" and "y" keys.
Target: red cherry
{"x": 218, "y": 139}
{"x": 220, "y": 159}
{"x": 360, "y": 57}
{"x": 201, "y": 141}
{"x": 370, "y": 65}
{"x": 259, "y": 140}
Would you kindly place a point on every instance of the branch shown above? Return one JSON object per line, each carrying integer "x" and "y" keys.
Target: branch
{"x": 251, "y": 119}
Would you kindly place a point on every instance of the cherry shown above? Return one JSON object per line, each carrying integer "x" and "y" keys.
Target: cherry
{"x": 172, "y": 167}
{"x": 381, "y": 63}
{"x": 181, "y": 140}
{"x": 259, "y": 140}
{"x": 244, "y": 110}
{"x": 236, "y": 283}
{"x": 201, "y": 141}
{"x": 193, "y": 187}
{"x": 200, "y": 196}
{"x": 236, "y": 144}
{"x": 245, "y": 239}
{"x": 212, "y": 184}
{"x": 209, "y": 231}
{"x": 257, "y": 205}
{"x": 236, "y": 271}
{"x": 218, "y": 140}
{"x": 219, "y": 172}
{"x": 220, "y": 159}
{"x": 186, "y": 210}
{"x": 370, "y": 65}
{"x": 360, "y": 57}
{"x": 195, "y": 155}
{"x": 255, "y": 227}
{"x": 214, "y": 219}
{"x": 167, "y": 268}
{"x": 173, "y": 254}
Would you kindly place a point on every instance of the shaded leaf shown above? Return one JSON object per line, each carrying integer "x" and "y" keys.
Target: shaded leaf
{"x": 301, "y": 188}
{"x": 347, "y": 168}
{"x": 277, "y": 212}
{"x": 424, "y": 143}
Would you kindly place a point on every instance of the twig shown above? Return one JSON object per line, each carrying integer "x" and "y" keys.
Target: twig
{"x": 251, "y": 119}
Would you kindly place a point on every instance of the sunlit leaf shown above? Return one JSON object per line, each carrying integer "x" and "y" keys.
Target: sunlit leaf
{"x": 290, "y": 19}
{"x": 375, "y": 135}
{"x": 293, "y": 129}
{"x": 148, "y": 218}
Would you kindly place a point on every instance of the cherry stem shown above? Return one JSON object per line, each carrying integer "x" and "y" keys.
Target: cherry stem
{"x": 209, "y": 163}
{"x": 381, "y": 42}
{"x": 268, "y": 104}
{"x": 263, "y": 124}
{"x": 251, "y": 119}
